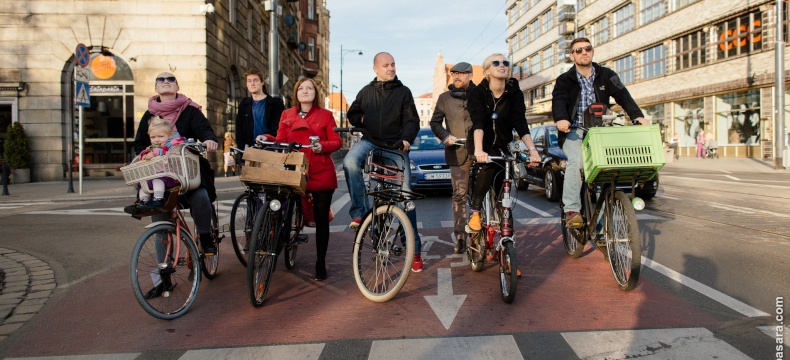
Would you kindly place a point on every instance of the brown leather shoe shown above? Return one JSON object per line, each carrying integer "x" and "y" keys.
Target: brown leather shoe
{"x": 573, "y": 220}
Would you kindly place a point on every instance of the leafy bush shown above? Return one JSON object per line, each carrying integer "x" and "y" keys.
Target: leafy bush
{"x": 17, "y": 147}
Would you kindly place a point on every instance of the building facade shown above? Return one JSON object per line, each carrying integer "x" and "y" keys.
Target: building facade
{"x": 692, "y": 65}
{"x": 208, "y": 45}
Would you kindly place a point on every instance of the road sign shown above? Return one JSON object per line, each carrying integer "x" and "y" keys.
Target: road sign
{"x": 82, "y": 54}
{"x": 82, "y": 94}
{"x": 82, "y": 74}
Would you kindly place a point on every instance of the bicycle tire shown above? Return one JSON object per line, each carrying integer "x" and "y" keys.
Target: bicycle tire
{"x": 295, "y": 231}
{"x": 209, "y": 265}
{"x": 262, "y": 254}
{"x": 573, "y": 247}
{"x": 622, "y": 242}
{"x": 508, "y": 276}
{"x": 381, "y": 276}
{"x": 477, "y": 250}
{"x": 144, "y": 273}
{"x": 242, "y": 219}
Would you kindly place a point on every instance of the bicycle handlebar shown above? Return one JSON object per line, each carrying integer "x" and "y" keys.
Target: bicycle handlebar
{"x": 350, "y": 129}
{"x": 459, "y": 142}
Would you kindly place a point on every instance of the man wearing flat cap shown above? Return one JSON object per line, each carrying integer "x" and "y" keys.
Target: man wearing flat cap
{"x": 451, "y": 121}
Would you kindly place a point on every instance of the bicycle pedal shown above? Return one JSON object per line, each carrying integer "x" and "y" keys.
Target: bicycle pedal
{"x": 301, "y": 239}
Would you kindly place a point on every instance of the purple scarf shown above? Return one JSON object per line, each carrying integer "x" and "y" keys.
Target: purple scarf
{"x": 170, "y": 110}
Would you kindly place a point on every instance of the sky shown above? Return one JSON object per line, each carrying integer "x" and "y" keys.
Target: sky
{"x": 414, "y": 32}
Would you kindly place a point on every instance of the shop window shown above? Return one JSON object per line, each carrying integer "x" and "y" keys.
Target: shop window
{"x": 6, "y": 117}
{"x": 689, "y": 120}
{"x": 738, "y": 118}
{"x": 655, "y": 114}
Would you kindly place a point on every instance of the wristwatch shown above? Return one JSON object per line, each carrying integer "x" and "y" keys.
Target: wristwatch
{"x": 532, "y": 148}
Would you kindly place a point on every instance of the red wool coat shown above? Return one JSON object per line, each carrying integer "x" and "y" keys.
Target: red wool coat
{"x": 318, "y": 122}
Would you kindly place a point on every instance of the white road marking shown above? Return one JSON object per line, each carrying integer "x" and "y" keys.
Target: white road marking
{"x": 703, "y": 289}
{"x": 297, "y": 351}
{"x": 533, "y": 209}
{"x": 744, "y": 210}
{"x": 732, "y": 177}
{"x": 444, "y": 304}
{"x": 122, "y": 356}
{"x": 666, "y": 197}
{"x": 727, "y": 182}
{"x": 726, "y": 172}
{"x": 453, "y": 348}
{"x": 691, "y": 343}
{"x": 771, "y": 330}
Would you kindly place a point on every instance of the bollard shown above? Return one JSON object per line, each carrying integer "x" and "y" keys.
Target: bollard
{"x": 5, "y": 179}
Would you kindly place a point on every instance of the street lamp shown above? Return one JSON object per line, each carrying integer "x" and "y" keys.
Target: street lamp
{"x": 342, "y": 104}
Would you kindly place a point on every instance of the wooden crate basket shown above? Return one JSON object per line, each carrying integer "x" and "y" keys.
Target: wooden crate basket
{"x": 263, "y": 167}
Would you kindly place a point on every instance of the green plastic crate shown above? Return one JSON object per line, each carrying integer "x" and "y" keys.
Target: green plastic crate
{"x": 622, "y": 153}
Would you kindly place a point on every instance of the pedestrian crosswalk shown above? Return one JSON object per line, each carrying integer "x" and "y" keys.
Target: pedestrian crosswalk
{"x": 672, "y": 343}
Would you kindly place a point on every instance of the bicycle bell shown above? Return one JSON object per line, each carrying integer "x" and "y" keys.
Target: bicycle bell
{"x": 314, "y": 140}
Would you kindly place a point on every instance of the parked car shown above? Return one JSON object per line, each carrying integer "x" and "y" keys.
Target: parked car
{"x": 550, "y": 174}
{"x": 429, "y": 171}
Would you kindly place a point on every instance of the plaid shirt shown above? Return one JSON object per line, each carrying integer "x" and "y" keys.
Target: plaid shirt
{"x": 587, "y": 97}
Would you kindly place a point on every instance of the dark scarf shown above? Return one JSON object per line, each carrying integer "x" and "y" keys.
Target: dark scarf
{"x": 460, "y": 93}
{"x": 386, "y": 85}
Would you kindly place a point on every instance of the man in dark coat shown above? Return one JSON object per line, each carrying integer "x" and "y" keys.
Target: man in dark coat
{"x": 258, "y": 114}
{"x": 451, "y": 110}
{"x": 385, "y": 113}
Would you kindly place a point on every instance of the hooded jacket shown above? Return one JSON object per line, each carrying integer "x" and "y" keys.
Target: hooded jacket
{"x": 451, "y": 109}
{"x": 511, "y": 114}
{"x": 385, "y": 113}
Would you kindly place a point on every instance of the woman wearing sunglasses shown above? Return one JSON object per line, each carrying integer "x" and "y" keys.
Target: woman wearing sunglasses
{"x": 185, "y": 118}
{"x": 496, "y": 107}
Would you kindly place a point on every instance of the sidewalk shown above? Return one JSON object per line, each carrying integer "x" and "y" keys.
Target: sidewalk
{"x": 690, "y": 164}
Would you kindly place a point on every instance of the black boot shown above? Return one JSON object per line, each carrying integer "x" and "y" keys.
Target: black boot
{"x": 320, "y": 271}
{"x": 460, "y": 243}
{"x": 207, "y": 243}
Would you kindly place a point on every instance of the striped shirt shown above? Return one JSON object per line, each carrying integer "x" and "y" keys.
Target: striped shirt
{"x": 587, "y": 97}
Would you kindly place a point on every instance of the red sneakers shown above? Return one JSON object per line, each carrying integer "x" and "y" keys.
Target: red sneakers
{"x": 355, "y": 224}
{"x": 416, "y": 266}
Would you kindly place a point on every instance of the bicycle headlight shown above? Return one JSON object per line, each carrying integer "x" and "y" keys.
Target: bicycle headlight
{"x": 638, "y": 203}
{"x": 409, "y": 205}
{"x": 275, "y": 205}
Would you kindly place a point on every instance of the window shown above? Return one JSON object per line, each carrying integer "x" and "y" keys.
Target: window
{"x": 539, "y": 136}
{"x": 581, "y": 33}
{"x": 738, "y": 118}
{"x": 548, "y": 20}
{"x": 681, "y": 3}
{"x": 689, "y": 120}
{"x": 311, "y": 49}
{"x": 600, "y": 31}
{"x": 690, "y": 50}
{"x": 653, "y": 61}
{"x": 310, "y": 9}
{"x": 525, "y": 70}
{"x": 535, "y": 28}
{"x": 624, "y": 67}
{"x": 741, "y": 35}
{"x": 6, "y": 117}
{"x": 655, "y": 114}
{"x": 525, "y": 5}
{"x": 652, "y": 10}
{"x": 548, "y": 57}
{"x": 535, "y": 64}
{"x": 264, "y": 40}
{"x": 517, "y": 71}
{"x": 512, "y": 15}
{"x": 524, "y": 36}
{"x": 514, "y": 43}
{"x": 232, "y": 16}
{"x": 623, "y": 20}
{"x": 250, "y": 25}
{"x": 580, "y": 4}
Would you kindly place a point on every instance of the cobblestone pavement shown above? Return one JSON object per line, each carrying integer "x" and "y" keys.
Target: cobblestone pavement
{"x": 27, "y": 284}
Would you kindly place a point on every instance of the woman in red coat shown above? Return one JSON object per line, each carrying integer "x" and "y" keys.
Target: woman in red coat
{"x": 297, "y": 124}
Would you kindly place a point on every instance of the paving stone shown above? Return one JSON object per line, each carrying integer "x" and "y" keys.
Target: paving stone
{"x": 20, "y": 288}
{"x": 36, "y": 301}
{"x": 12, "y": 295}
{"x": 39, "y": 294}
{"x": 3, "y": 337}
{"x": 42, "y": 287}
{"x": 12, "y": 301}
{"x": 5, "y": 311}
{"x": 17, "y": 283}
{"x": 9, "y": 328}
{"x": 16, "y": 278}
{"x": 42, "y": 272}
{"x": 19, "y": 318}
{"x": 49, "y": 276}
{"x": 42, "y": 282}
{"x": 27, "y": 309}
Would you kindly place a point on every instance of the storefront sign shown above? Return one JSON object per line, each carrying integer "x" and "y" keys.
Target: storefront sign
{"x": 106, "y": 89}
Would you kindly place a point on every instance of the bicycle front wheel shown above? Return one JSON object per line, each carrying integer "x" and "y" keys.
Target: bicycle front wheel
{"x": 262, "y": 254}
{"x": 477, "y": 250}
{"x": 165, "y": 272}
{"x": 383, "y": 253}
{"x": 508, "y": 275}
{"x": 242, "y": 219}
{"x": 209, "y": 264}
{"x": 622, "y": 242}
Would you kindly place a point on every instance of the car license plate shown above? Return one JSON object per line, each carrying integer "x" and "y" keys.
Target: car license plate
{"x": 439, "y": 176}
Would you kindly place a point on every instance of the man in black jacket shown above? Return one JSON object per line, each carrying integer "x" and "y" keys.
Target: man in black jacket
{"x": 258, "y": 114}
{"x": 385, "y": 113}
{"x": 451, "y": 110}
{"x": 584, "y": 84}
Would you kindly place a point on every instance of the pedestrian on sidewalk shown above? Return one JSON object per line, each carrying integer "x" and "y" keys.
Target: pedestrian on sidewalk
{"x": 451, "y": 110}
{"x": 305, "y": 119}
{"x": 700, "y": 144}
{"x": 673, "y": 144}
{"x": 230, "y": 162}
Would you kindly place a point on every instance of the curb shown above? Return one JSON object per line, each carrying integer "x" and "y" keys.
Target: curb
{"x": 27, "y": 284}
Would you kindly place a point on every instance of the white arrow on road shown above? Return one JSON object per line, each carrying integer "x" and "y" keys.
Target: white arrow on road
{"x": 445, "y": 304}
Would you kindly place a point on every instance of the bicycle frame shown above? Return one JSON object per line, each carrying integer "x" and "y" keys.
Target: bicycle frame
{"x": 498, "y": 212}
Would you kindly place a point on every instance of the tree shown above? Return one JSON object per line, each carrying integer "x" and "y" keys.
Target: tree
{"x": 17, "y": 147}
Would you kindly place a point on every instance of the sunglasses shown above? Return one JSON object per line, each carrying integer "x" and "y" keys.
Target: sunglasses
{"x": 579, "y": 50}
{"x": 170, "y": 79}
{"x": 496, "y": 63}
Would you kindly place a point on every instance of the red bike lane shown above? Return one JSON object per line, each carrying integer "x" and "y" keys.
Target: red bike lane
{"x": 555, "y": 293}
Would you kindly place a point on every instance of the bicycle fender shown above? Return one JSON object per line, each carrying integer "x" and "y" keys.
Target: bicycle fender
{"x": 158, "y": 223}
{"x": 507, "y": 239}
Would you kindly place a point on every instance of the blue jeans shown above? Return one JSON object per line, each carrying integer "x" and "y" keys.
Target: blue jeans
{"x": 572, "y": 185}
{"x": 353, "y": 166}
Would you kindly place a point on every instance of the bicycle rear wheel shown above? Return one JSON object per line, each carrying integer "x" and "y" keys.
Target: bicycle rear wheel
{"x": 622, "y": 242}
{"x": 294, "y": 235}
{"x": 508, "y": 276}
{"x": 573, "y": 246}
{"x": 381, "y": 263}
{"x": 209, "y": 264}
{"x": 165, "y": 282}
{"x": 262, "y": 254}
{"x": 242, "y": 219}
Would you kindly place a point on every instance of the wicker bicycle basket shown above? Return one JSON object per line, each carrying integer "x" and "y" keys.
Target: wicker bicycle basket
{"x": 627, "y": 153}
{"x": 179, "y": 164}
